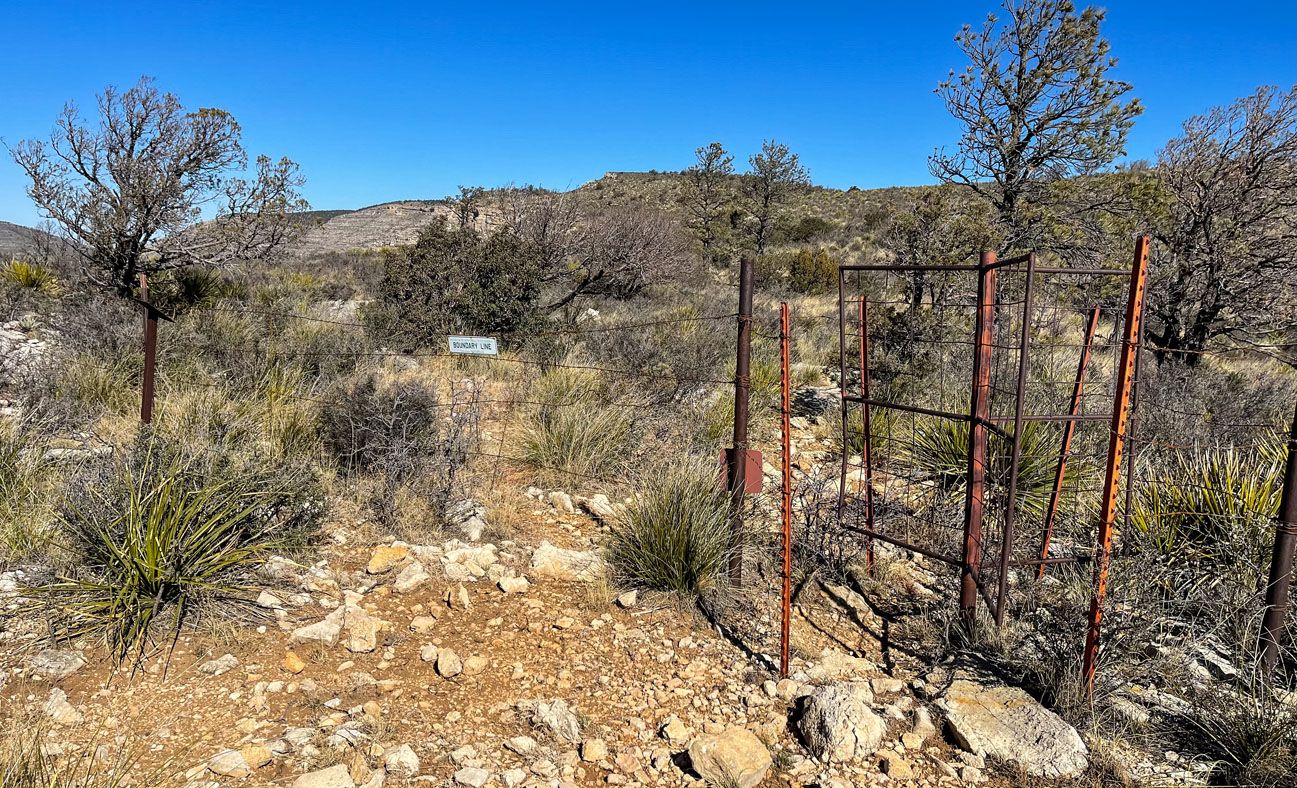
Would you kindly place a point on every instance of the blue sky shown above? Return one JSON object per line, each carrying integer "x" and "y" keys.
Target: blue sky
{"x": 408, "y": 100}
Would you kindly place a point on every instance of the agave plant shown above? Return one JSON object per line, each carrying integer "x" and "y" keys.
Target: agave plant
{"x": 939, "y": 450}
{"x": 1207, "y": 502}
{"x": 31, "y": 276}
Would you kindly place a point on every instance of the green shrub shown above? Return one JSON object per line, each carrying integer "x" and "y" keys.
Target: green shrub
{"x": 31, "y": 276}
{"x": 576, "y": 433}
{"x": 813, "y": 272}
{"x": 165, "y": 533}
{"x": 455, "y": 281}
{"x": 678, "y": 355}
{"x": 806, "y": 228}
{"x": 1210, "y": 502}
{"x": 675, "y": 536}
{"x": 939, "y": 449}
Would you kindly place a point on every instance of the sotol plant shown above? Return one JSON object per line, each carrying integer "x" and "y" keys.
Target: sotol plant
{"x": 676, "y": 534}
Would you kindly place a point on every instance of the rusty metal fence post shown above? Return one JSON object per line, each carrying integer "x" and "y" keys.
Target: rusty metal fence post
{"x": 866, "y": 442}
{"x": 979, "y": 416}
{"x": 1015, "y": 451}
{"x": 1279, "y": 586}
{"x": 738, "y": 455}
{"x": 1065, "y": 447}
{"x": 786, "y": 510}
{"x": 1116, "y": 444}
{"x": 150, "y": 353}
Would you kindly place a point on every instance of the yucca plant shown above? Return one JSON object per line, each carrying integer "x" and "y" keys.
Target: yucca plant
{"x": 675, "y": 536}
{"x": 939, "y": 450}
{"x": 31, "y": 276}
{"x": 575, "y": 432}
{"x": 161, "y": 536}
{"x": 1207, "y": 502}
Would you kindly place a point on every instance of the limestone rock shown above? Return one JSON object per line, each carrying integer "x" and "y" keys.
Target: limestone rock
{"x": 55, "y": 665}
{"x": 326, "y": 631}
{"x": 1007, "y": 724}
{"x": 560, "y": 719}
{"x": 735, "y": 757}
{"x": 472, "y": 776}
{"x": 838, "y": 724}
{"x": 411, "y": 577}
{"x": 448, "y": 663}
{"x": 335, "y": 776}
{"x": 837, "y": 666}
{"x": 229, "y": 763}
{"x": 555, "y": 562}
{"x": 216, "y": 667}
{"x": 401, "y": 762}
{"x": 514, "y": 585}
{"x": 594, "y": 750}
{"x": 385, "y": 559}
{"x": 59, "y": 710}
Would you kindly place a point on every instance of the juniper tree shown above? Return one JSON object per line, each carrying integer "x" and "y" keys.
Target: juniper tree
{"x": 1229, "y": 232}
{"x": 150, "y": 186}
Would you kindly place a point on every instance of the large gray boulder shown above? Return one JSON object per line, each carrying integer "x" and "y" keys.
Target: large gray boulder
{"x": 838, "y": 723}
{"x": 1007, "y": 724}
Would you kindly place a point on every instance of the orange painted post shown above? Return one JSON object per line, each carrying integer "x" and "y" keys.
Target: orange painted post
{"x": 786, "y": 410}
{"x": 1069, "y": 429}
{"x": 978, "y": 417}
{"x": 866, "y": 445}
{"x": 1116, "y": 444}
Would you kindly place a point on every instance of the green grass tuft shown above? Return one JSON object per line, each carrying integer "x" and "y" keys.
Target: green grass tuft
{"x": 676, "y": 535}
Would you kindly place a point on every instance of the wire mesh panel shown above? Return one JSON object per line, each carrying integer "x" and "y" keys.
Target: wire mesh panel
{"x": 977, "y": 408}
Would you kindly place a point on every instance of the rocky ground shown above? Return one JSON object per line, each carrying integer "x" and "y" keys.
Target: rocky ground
{"x": 512, "y": 662}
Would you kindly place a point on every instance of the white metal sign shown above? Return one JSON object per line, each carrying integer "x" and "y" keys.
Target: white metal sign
{"x": 474, "y": 346}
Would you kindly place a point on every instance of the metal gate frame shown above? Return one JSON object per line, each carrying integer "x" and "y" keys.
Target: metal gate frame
{"x": 982, "y": 423}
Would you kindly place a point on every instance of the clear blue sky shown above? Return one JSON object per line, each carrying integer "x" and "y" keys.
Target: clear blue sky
{"x": 408, "y": 100}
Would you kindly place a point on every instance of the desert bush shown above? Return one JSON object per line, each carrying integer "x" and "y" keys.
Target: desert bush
{"x": 456, "y": 281}
{"x": 577, "y": 431}
{"x": 398, "y": 431}
{"x": 820, "y": 542}
{"x": 813, "y": 271}
{"x": 1248, "y": 731}
{"x": 678, "y": 356}
{"x": 675, "y": 536}
{"x": 1207, "y": 503}
{"x": 31, "y": 276}
{"x": 167, "y": 533}
{"x": 805, "y": 228}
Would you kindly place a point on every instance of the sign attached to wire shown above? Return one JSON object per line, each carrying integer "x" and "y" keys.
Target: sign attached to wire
{"x": 474, "y": 346}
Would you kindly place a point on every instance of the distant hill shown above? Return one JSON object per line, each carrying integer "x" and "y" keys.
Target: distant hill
{"x": 19, "y": 241}
{"x": 388, "y": 224}
{"x": 853, "y": 216}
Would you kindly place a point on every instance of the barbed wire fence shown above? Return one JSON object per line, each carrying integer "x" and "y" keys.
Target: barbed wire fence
{"x": 918, "y": 345}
